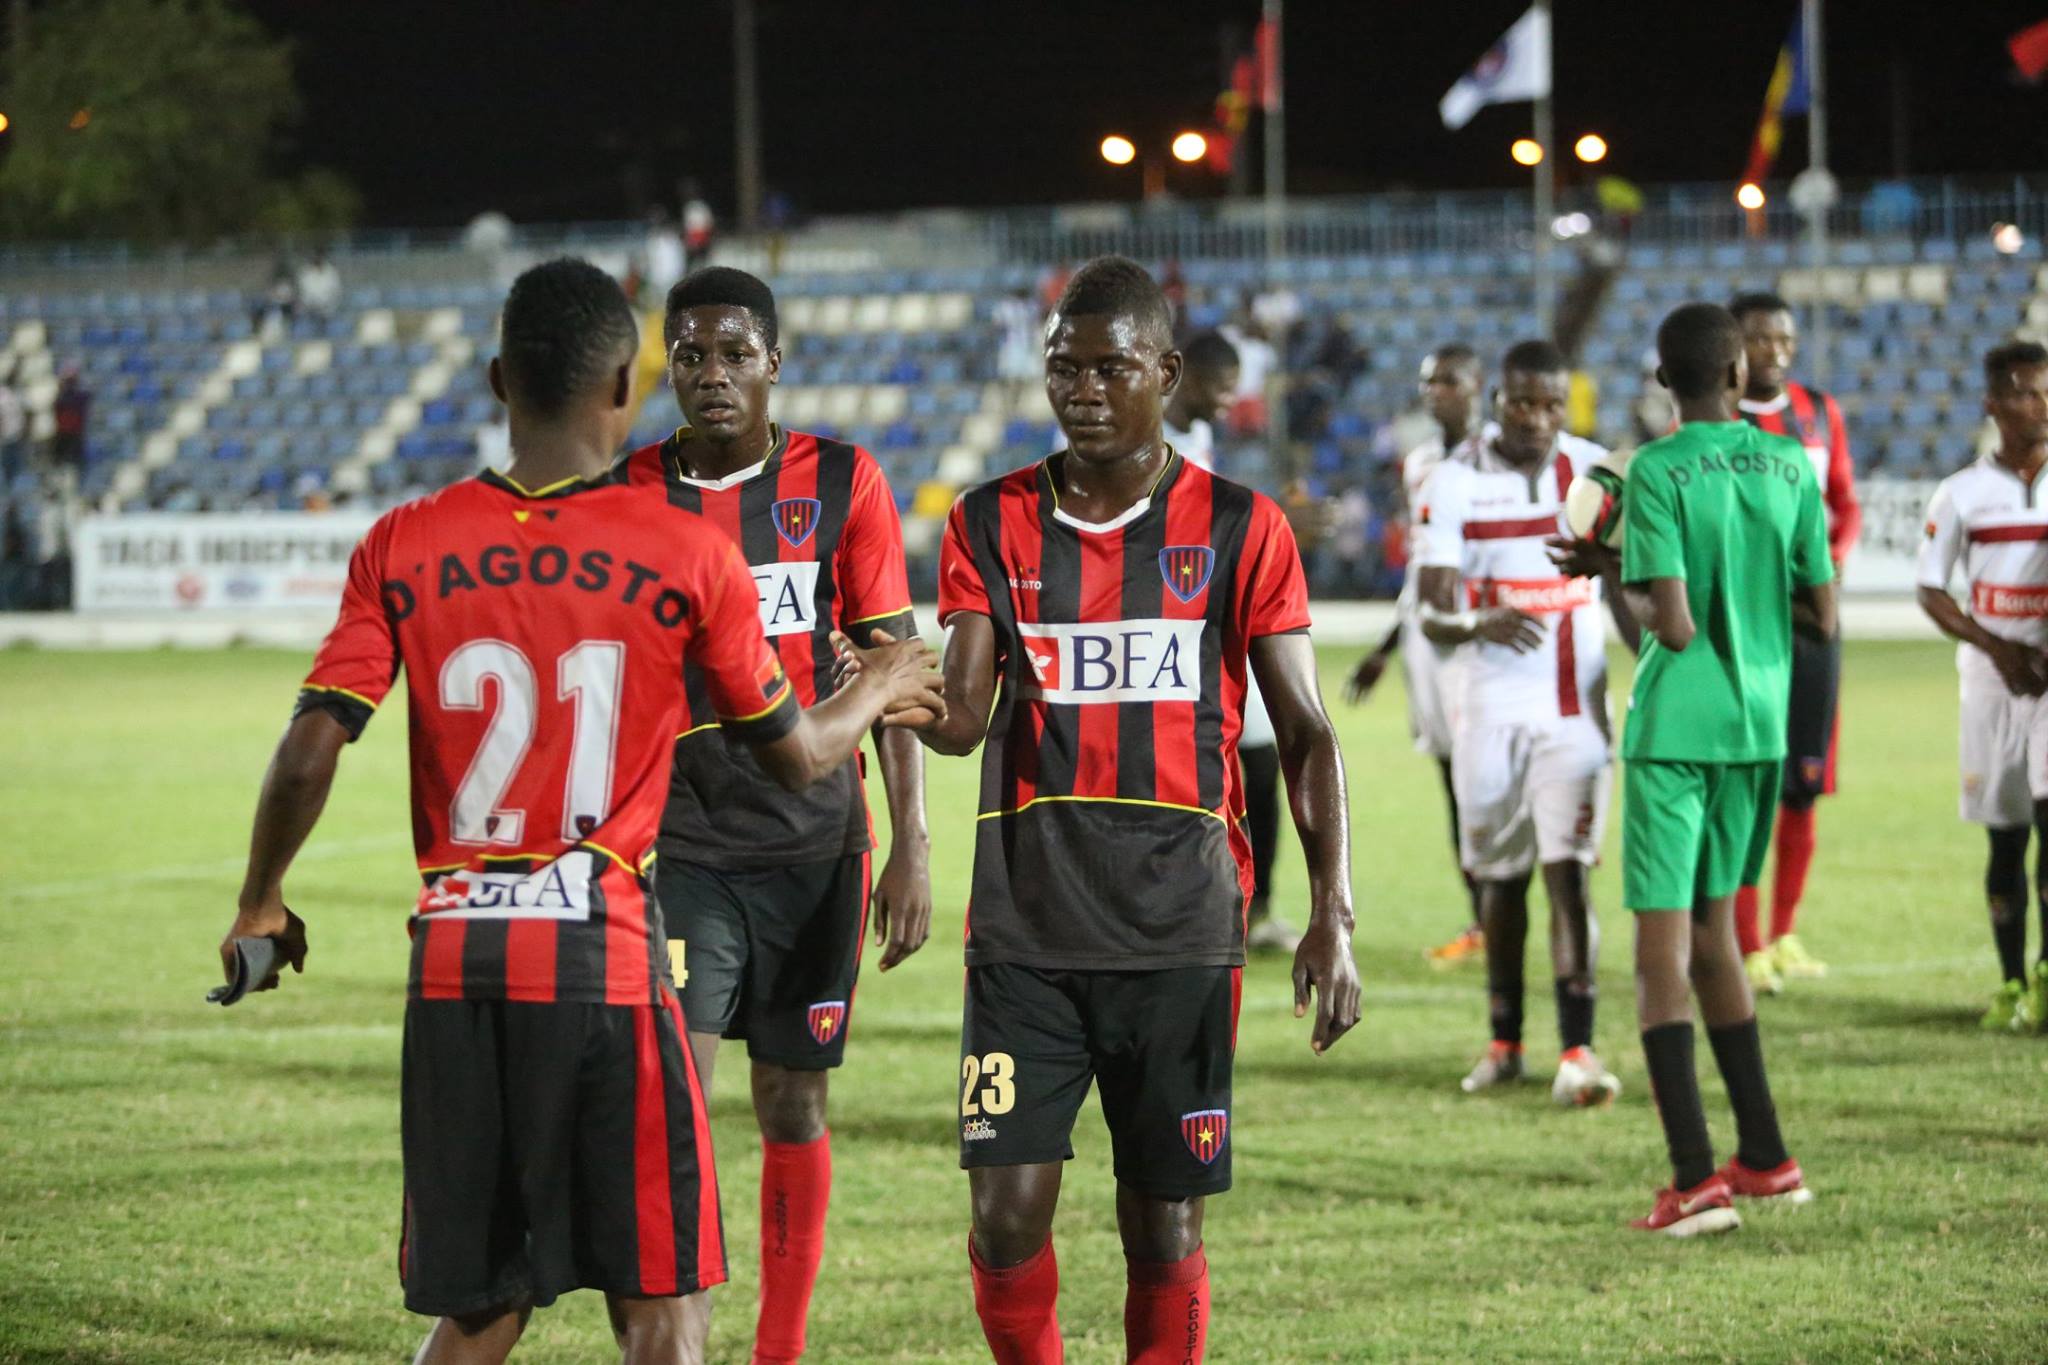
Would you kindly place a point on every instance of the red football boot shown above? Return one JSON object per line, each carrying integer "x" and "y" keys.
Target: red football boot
{"x": 1706, "y": 1207}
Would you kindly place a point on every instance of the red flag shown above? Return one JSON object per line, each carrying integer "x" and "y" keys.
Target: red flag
{"x": 1266, "y": 40}
{"x": 2029, "y": 48}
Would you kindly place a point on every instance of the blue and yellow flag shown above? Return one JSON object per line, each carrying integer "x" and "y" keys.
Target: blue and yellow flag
{"x": 1788, "y": 93}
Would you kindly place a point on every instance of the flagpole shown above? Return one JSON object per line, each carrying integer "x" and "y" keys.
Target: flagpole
{"x": 1273, "y": 92}
{"x": 1817, "y": 163}
{"x": 1546, "y": 188}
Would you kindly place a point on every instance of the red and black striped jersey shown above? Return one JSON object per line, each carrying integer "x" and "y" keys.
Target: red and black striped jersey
{"x": 1814, "y": 419}
{"x": 1109, "y": 779}
{"x": 818, "y": 527}
{"x": 543, "y": 635}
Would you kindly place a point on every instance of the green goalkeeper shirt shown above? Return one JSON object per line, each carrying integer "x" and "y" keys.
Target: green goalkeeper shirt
{"x": 1736, "y": 513}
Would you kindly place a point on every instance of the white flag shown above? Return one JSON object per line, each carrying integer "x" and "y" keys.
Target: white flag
{"x": 1515, "y": 68}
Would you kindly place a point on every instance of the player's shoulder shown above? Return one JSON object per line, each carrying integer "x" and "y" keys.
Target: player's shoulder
{"x": 651, "y": 463}
{"x": 800, "y": 447}
{"x": 1581, "y": 451}
{"x": 1821, "y": 399}
{"x": 1977, "y": 474}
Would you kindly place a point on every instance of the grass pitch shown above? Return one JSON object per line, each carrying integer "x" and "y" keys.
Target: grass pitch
{"x": 184, "y": 1184}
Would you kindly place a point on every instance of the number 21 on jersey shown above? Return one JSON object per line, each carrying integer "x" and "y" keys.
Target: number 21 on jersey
{"x": 589, "y": 676}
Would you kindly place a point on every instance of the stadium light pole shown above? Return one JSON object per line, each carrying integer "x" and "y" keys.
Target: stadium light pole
{"x": 746, "y": 120}
{"x": 1817, "y": 168}
{"x": 1546, "y": 190}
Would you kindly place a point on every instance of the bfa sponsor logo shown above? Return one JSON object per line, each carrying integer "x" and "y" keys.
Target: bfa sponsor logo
{"x": 1186, "y": 569}
{"x": 826, "y": 1018}
{"x": 1205, "y": 1131}
{"x": 795, "y": 519}
{"x": 789, "y": 596}
{"x": 1114, "y": 661}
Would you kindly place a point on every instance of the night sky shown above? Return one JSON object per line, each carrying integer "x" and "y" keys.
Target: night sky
{"x": 555, "y": 111}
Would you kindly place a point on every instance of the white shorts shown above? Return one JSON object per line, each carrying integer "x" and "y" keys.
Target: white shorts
{"x": 1423, "y": 666}
{"x": 1529, "y": 793}
{"x": 2004, "y": 751}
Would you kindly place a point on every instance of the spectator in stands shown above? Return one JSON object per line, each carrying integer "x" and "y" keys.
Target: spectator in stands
{"x": 17, "y": 567}
{"x": 1020, "y": 355}
{"x": 13, "y": 430}
{"x": 318, "y": 286}
{"x": 71, "y": 410}
{"x": 280, "y": 302}
{"x": 700, "y": 227}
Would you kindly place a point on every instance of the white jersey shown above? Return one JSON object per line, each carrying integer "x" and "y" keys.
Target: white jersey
{"x": 1991, "y": 526}
{"x": 1487, "y": 520}
{"x": 1416, "y": 467}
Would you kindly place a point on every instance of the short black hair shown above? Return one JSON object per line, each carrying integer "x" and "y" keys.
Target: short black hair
{"x": 721, "y": 284}
{"x": 566, "y": 326}
{"x": 2001, "y": 361}
{"x": 1209, "y": 351}
{"x": 1456, "y": 353}
{"x": 1535, "y": 356}
{"x": 1118, "y": 286}
{"x": 1696, "y": 344}
{"x": 1756, "y": 301}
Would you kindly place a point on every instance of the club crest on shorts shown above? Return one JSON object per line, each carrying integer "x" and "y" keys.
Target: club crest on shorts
{"x": 825, "y": 1018}
{"x": 1205, "y": 1132}
{"x": 1813, "y": 770}
{"x": 795, "y": 519}
{"x": 1186, "y": 569}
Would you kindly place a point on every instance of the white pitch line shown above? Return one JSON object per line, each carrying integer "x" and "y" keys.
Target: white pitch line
{"x": 346, "y": 848}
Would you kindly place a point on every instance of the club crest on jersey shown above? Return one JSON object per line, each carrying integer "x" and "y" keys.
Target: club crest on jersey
{"x": 1186, "y": 569}
{"x": 1205, "y": 1132}
{"x": 795, "y": 519}
{"x": 825, "y": 1019}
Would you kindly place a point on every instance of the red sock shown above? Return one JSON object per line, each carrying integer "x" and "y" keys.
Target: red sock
{"x": 1166, "y": 1310}
{"x": 796, "y": 1187}
{"x": 1746, "y": 933}
{"x": 1795, "y": 855}
{"x": 1019, "y": 1308}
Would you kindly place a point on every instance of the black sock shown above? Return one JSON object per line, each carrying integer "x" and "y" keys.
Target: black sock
{"x": 1739, "y": 1052}
{"x": 2005, "y": 892}
{"x": 1676, "y": 1089}
{"x": 1507, "y": 928}
{"x": 1574, "y": 1013}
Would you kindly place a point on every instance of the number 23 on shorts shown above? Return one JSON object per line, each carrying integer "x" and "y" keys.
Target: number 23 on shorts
{"x": 999, "y": 1095}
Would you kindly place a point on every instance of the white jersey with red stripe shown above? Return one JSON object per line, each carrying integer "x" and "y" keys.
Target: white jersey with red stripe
{"x": 1488, "y": 520}
{"x": 1416, "y": 467}
{"x": 1990, "y": 527}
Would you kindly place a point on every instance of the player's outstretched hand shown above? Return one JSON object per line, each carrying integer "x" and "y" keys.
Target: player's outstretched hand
{"x": 903, "y": 902}
{"x": 1517, "y": 630}
{"x": 1577, "y": 558}
{"x": 916, "y": 688}
{"x": 1323, "y": 964}
{"x": 1365, "y": 677}
{"x": 272, "y": 920}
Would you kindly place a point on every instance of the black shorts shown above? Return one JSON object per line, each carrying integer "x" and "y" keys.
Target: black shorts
{"x": 550, "y": 1148}
{"x": 1159, "y": 1042}
{"x": 1810, "y": 720}
{"x": 771, "y": 954}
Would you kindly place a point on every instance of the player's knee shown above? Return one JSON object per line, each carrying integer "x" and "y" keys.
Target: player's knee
{"x": 789, "y": 1104}
{"x": 1159, "y": 1229}
{"x": 1011, "y": 1224}
{"x": 648, "y": 1328}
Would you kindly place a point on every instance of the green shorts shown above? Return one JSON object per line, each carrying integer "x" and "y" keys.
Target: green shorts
{"x": 1694, "y": 832}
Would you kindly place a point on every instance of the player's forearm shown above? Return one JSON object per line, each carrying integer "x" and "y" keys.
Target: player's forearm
{"x": 1314, "y": 768}
{"x": 1391, "y": 643}
{"x": 1814, "y": 609}
{"x": 294, "y": 793}
{"x": 1442, "y": 626}
{"x": 901, "y": 758}
{"x": 1949, "y": 616}
{"x": 827, "y": 734}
